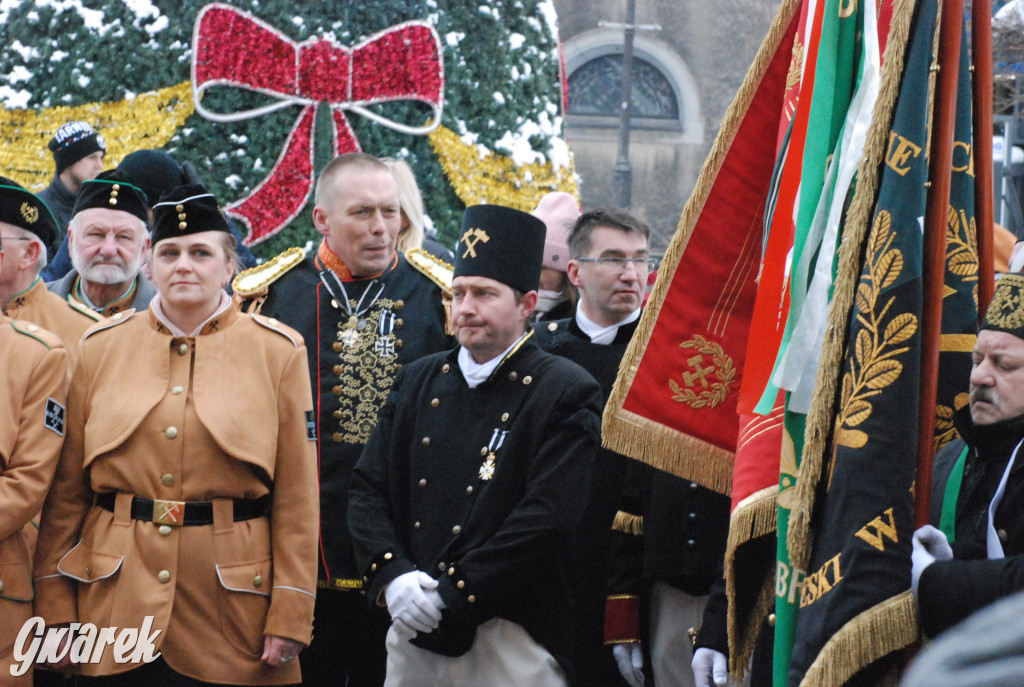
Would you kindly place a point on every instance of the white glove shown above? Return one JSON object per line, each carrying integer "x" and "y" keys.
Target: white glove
{"x": 709, "y": 667}
{"x": 630, "y": 659}
{"x": 935, "y": 542}
{"x": 930, "y": 545}
{"x": 412, "y": 598}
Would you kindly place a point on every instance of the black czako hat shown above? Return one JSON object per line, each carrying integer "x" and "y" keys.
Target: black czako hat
{"x": 502, "y": 244}
{"x": 22, "y": 208}
{"x": 187, "y": 209}
{"x": 112, "y": 190}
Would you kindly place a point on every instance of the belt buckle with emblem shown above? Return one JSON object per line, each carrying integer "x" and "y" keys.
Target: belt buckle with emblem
{"x": 169, "y": 512}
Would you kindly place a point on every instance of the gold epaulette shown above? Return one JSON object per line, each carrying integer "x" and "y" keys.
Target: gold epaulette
{"x": 34, "y": 331}
{"x": 436, "y": 269}
{"x": 256, "y": 281}
{"x": 108, "y": 322}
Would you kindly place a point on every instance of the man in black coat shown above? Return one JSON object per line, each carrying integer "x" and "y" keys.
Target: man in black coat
{"x": 650, "y": 543}
{"x": 977, "y": 555}
{"x": 466, "y": 501}
{"x": 364, "y": 311}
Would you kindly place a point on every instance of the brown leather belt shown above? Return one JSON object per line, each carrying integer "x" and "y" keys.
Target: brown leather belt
{"x": 185, "y": 513}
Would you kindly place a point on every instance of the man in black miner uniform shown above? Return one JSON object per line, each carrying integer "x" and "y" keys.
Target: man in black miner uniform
{"x": 364, "y": 311}
{"x": 978, "y": 480}
{"x": 669, "y": 535}
{"x": 466, "y": 501}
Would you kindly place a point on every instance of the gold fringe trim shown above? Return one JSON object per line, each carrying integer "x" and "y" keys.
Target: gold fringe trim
{"x": 743, "y": 639}
{"x": 820, "y": 419}
{"x": 669, "y": 450}
{"x": 755, "y": 516}
{"x": 628, "y": 523}
{"x": 877, "y": 632}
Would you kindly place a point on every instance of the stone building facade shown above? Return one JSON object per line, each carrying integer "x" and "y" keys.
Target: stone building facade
{"x": 686, "y": 73}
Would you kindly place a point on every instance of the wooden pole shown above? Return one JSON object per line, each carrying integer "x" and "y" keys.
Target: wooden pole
{"x": 981, "y": 53}
{"x": 940, "y": 164}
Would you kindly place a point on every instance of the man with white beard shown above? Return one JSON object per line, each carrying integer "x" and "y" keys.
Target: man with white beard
{"x": 107, "y": 238}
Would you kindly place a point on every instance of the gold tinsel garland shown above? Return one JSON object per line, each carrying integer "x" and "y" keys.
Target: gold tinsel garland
{"x": 148, "y": 120}
{"x": 479, "y": 175}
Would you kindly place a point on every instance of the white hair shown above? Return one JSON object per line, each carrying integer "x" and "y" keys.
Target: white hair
{"x": 21, "y": 233}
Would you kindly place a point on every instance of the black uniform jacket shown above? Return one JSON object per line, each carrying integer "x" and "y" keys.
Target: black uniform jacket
{"x": 424, "y": 495}
{"x": 949, "y": 591}
{"x": 351, "y": 371}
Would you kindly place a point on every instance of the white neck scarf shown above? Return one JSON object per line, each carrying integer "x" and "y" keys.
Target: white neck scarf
{"x": 597, "y": 333}
{"x": 995, "y": 547}
{"x": 477, "y": 373}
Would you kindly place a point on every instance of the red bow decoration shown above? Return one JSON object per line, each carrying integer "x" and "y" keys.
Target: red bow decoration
{"x": 233, "y": 48}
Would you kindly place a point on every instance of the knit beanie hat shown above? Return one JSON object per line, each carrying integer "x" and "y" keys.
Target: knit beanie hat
{"x": 558, "y": 211}
{"x": 72, "y": 142}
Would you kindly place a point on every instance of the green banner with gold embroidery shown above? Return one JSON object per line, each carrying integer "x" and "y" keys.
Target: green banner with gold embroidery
{"x": 853, "y": 611}
{"x": 960, "y": 294}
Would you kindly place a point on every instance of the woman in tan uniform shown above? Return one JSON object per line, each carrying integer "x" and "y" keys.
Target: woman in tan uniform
{"x": 186, "y": 491}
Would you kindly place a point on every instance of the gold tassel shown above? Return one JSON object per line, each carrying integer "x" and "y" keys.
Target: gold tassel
{"x": 628, "y": 523}
{"x": 821, "y": 417}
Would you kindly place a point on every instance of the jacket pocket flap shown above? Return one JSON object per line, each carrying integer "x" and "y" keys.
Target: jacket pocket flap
{"x": 254, "y": 578}
{"x": 85, "y": 565}
{"x": 16, "y": 582}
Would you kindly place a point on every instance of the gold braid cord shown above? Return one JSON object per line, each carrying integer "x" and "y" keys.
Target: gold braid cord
{"x": 663, "y": 447}
{"x": 148, "y": 120}
{"x": 820, "y": 419}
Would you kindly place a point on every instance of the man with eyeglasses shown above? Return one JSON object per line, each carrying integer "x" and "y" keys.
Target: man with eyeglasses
{"x": 650, "y": 543}
{"x": 26, "y": 227}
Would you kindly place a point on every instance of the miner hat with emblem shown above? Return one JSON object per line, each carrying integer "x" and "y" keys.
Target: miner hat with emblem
{"x": 502, "y": 244}
{"x": 1006, "y": 311}
{"x": 112, "y": 190}
{"x": 187, "y": 209}
{"x": 24, "y": 209}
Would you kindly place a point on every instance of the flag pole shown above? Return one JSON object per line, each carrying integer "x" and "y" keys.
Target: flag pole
{"x": 934, "y": 267}
{"x": 981, "y": 52}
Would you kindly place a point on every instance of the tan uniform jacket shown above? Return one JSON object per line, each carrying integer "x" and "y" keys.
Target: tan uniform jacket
{"x": 34, "y": 367}
{"x": 68, "y": 319}
{"x": 219, "y": 416}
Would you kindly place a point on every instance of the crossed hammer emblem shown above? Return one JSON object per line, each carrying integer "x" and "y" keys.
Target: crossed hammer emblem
{"x": 471, "y": 238}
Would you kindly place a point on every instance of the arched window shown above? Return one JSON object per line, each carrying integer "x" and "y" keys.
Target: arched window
{"x": 664, "y": 93}
{"x": 595, "y": 89}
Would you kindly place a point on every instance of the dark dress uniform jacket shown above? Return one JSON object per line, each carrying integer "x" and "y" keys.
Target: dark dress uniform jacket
{"x": 501, "y": 547}
{"x": 685, "y": 525}
{"x": 351, "y": 381}
{"x": 949, "y": 591}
